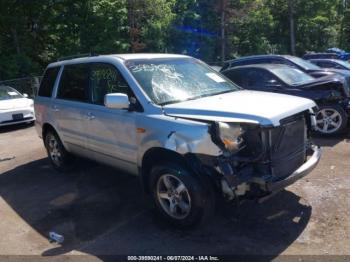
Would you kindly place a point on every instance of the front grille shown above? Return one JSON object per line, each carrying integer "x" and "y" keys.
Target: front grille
{"x": 287, "y": 146}
{"x": 276, "y": 152}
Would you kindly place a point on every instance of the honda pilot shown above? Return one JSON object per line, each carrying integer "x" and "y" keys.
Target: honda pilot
{"x": 190, "y": 134}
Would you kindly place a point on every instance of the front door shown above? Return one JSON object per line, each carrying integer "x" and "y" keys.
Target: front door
{"x": 111, "y": 132}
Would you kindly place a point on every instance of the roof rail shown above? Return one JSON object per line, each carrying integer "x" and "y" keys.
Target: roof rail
{"x": 76, "y": 56}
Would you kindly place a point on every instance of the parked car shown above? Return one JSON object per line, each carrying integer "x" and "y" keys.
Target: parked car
{"x": 182, "y": 127}
{"x": 15, "y": 108}
{"x": 331, "y": 93}
{"x": 343, "y": 55}
{"x": 310, "y": 56}
{"x": 292, "y": 61}
{"x": 331, "y": 63}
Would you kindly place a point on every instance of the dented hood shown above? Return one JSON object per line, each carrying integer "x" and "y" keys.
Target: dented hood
{"x": 331, "y": 82}
{"x": 241, "y": 106}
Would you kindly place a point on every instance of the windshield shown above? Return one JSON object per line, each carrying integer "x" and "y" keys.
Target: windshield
{"x": 292, "y": 76}
{"x": 343, "y": 63}
{"x": 173, "y": 80}
{"x": 7, "y": 92}
{"x": 304, "y": 64}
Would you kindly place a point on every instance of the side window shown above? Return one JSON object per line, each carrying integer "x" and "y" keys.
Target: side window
{"x": 326, "y": 64}
{"x": 259, "y": 78}
{"x": 48, "y": 82}
{"x": 331, "y": 65}
{"x": 335, "y": 65}
{"x": 268, "y": 80}
{"x": 316, "y": 63}
{"x": 235, "y": 76}
{"x": 105, "y": 79}
{"x": 250, "y": 77}
{"x": 74, "y": 84}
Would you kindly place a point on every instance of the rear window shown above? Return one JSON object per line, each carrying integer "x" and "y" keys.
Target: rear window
{"x": 74, "y": 84}
{"x": 48, "y": 82}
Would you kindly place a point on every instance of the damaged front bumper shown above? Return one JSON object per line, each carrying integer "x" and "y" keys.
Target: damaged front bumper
{"x": 302, "y": 171}
{"x": 261, "y": 187}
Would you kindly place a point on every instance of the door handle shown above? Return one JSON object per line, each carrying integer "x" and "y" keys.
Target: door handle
{"x": 55, "y": 108}
{"x": 90, "y": 116}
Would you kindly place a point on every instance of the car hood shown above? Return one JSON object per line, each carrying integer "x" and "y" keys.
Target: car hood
{"x": 15, "y": 103}
{"x": 324, "y": 80}
{"x": 339, "y": 82}
{"x": 241, "y": 106}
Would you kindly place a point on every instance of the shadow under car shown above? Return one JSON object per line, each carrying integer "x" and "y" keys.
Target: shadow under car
{"x": 102, "y": 211}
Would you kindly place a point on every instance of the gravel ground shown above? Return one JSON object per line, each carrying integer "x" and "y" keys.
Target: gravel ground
{"x": 101, "y": 211}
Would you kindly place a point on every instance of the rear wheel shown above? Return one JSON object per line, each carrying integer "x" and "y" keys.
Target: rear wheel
{"x": 59, "y": 157}
{"x": 331, "y": 120}
{"x": 180, "y": 197}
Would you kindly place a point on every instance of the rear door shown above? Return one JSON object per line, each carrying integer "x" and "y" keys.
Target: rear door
{"x": 111, "y": 132}
{"x": 71, "y": 107}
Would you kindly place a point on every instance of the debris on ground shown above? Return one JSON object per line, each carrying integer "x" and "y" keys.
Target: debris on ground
{"x": 7, "y": 158}
{"x": 54, "y": 237}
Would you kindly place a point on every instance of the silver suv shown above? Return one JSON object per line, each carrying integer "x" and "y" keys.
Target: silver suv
{"x": 189, "y": 133}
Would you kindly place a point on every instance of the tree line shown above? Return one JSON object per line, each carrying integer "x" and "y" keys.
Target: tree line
{"x": 37, "y": 32}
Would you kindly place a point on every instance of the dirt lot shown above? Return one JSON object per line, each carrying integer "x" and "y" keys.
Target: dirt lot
{"x": 101, "y": 211}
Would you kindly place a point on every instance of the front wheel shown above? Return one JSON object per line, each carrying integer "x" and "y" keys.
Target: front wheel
{"x": 180, "y": 197}
{"x": 331, "y": 120}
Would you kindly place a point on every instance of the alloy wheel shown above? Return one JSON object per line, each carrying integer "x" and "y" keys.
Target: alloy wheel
{"x": 328, "y": 120}
{"x": 173, "y": 196}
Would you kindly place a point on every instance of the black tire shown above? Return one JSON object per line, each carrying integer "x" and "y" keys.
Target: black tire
{"x": 202, "y": 199}
{"x": 63, "y": 160}
{"x": 323, "y": 115}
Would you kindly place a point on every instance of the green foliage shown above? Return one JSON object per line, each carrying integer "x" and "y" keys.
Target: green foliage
{"x": 34, "y": 33}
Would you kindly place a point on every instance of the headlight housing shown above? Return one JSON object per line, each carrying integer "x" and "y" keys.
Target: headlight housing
{"x": 229, "y": 136}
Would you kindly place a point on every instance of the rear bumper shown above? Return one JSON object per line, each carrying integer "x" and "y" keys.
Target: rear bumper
{"x": 301, "y": 172}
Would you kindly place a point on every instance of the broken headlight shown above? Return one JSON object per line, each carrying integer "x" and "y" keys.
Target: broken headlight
{"x": 229, "y": 136}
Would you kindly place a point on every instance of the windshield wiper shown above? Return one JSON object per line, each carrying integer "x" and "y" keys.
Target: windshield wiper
{"x": 195, "y": 97}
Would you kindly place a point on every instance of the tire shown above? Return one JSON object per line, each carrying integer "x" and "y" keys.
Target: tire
{"x": 331, "y": 120}
{"x": 60, "y": 159}
{"x": 180, "y": 197}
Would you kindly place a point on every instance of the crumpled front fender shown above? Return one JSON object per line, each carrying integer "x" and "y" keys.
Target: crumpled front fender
{"x": 192, "y": 137}
{"x": 192, "y": 142}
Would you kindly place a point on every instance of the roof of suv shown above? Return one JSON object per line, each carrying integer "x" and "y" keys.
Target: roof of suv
{"x": 120, "y": 56}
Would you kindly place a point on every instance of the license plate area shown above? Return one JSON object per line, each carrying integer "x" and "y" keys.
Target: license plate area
{"x": 17, "y": 116}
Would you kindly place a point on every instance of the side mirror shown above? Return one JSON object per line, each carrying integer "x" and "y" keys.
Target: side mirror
{"x": 25, "y": 95}
{"x": 117, "y": 101}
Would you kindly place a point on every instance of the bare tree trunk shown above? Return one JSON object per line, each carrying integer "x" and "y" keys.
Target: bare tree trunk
{"x": 291, "y": 26}
{"x": 222, "y": 27}
{"x": 15, "y": 40}
{"x": 131, "y": 18}
{"x": 344, "y": 5}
